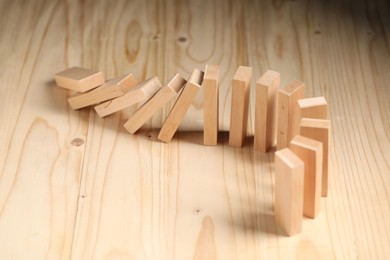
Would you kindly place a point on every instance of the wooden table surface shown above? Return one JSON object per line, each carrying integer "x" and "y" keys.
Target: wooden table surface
{"x": 75, "y": 186}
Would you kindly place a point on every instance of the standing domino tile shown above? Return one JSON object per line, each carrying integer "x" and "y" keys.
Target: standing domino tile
{"x": 289, "y": 183}
{"x": 319, "y": 129}
{"x": 210, "y": 105}
{"x": 288, "y": 116}
{"x": 111, "y": 89}
{"x": 148, "y": 109}
{"x": 142, "y": 92}
{"x": 239, "y": 106}
{"x": 265, "y": 110}
{"x": 181, "y": 106}
{"x": 315, "y": 107}
{"x": 79, "y": 79}
{"x": 310, "y": 152}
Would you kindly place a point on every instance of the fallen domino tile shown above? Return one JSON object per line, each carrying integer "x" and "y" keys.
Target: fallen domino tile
{"x": 210, "y": 105}
{"x": 143, "y": 91}
{"x": 148, "y": 109}
{"x": 79, "y": 79}
{"x": 239, "y": 106}
{"x": 310, "y": 152}
{"x": 181, "y": 106}
{"x": 289, "y": 183}
{"x": 319, "y": 129}
{"x": 111, "y": 89}
{"x": 288, "y": 117}
{"x": 265, "y": 110}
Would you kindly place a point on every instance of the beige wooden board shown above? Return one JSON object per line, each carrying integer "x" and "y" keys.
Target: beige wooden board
{"x": 124, "y": 196}
{"x": 289, "y": 177}
{"x": 113, "y": 88}
{"x": 239, "y": 107}
{"x": 79, "y": 79}
{"x": 157, "y": 102}
{"x": 210, "y": 105}
{"x": 141, "y": 93}
{"x": 319, "y": 129}
{"x": 265, "y": 110}
{"x": 310, "y": 152}
{"x": 288, "y": 117}
{"x": 314, "y": 107}
{"x": 181, "y": 106}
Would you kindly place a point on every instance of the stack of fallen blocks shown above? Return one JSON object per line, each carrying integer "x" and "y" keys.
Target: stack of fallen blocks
{"x": 301, "y": 124}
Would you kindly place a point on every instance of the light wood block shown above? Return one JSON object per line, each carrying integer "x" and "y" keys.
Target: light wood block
{"x": 111, "y": 89}
{"x": 315, "y": 107}
{"x": 79, "y": 79}
{"x": 288, "y": 116}
{"x": 142, "y": 92}
{"x": 181, "y": 106}
{"x": 310, "y": 151}
{"x": 289, "y": 183}
{"x": 265, "y": 110}
{"x": 161, "y": 98}
{"x": 239, "y": 106}
{"x": 319, "y": 129}
{"x": 210, "y": 104}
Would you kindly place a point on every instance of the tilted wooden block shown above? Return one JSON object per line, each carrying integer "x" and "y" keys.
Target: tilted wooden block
{"x": 181, "y": 106}
{"x": 79, "y": 79}
{"x": 147, "y": 110}
{"x": 265, "y": 110}
{"x": 310, "y": 152}
{"x": 210, "y": 105}
{"x": 319, "y": 129}
{"x": 239, "y": 106}
{"x": 111, "y": 89}
{"x": 289, "y": 183}
{"x": 142, "y": 92}
{"x": 315, "y": 107}
{"x": 288, "y": 116}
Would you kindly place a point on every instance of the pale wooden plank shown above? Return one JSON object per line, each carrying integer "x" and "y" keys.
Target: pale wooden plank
{"x": 147, "y": 110}
{"x": 314, "y": 107}
{"x": 111, "y": 89}
{"x": 319, "y": 129}
{"x": 289, "y": 182}
{"x": 239, "y": 105}
{"x": 79, "y": 79}
{"x": 210, "y": 87}
{"x": 142, "y": 92}
{"x": 288, "y": 114}
{"x": 265, "y": 110}
{"x": 310, "y": 152}
{"x": 181, "y": 106}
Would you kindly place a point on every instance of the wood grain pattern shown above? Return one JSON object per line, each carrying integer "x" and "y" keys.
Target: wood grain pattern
{"x": 75, "y": 186}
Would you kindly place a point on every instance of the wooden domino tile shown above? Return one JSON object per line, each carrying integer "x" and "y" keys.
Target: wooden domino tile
{"x": 181, "y": 106}
{"x": 289, "y": 184}
{"x": 111, "y": 89}
{"x": 210, "y": 105}
{"x": 142, "y": 92}
{"x": 79, "y": 79}
{"x": 148, "y": 109}
{"x": 265, "y": 110}
{"x": 319, "y": 129}
{"x": 288, "y": 119}
{"x": 239, "y": 106}
{"x": 310, "y": 152}
{"x": 315, "y": 107}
